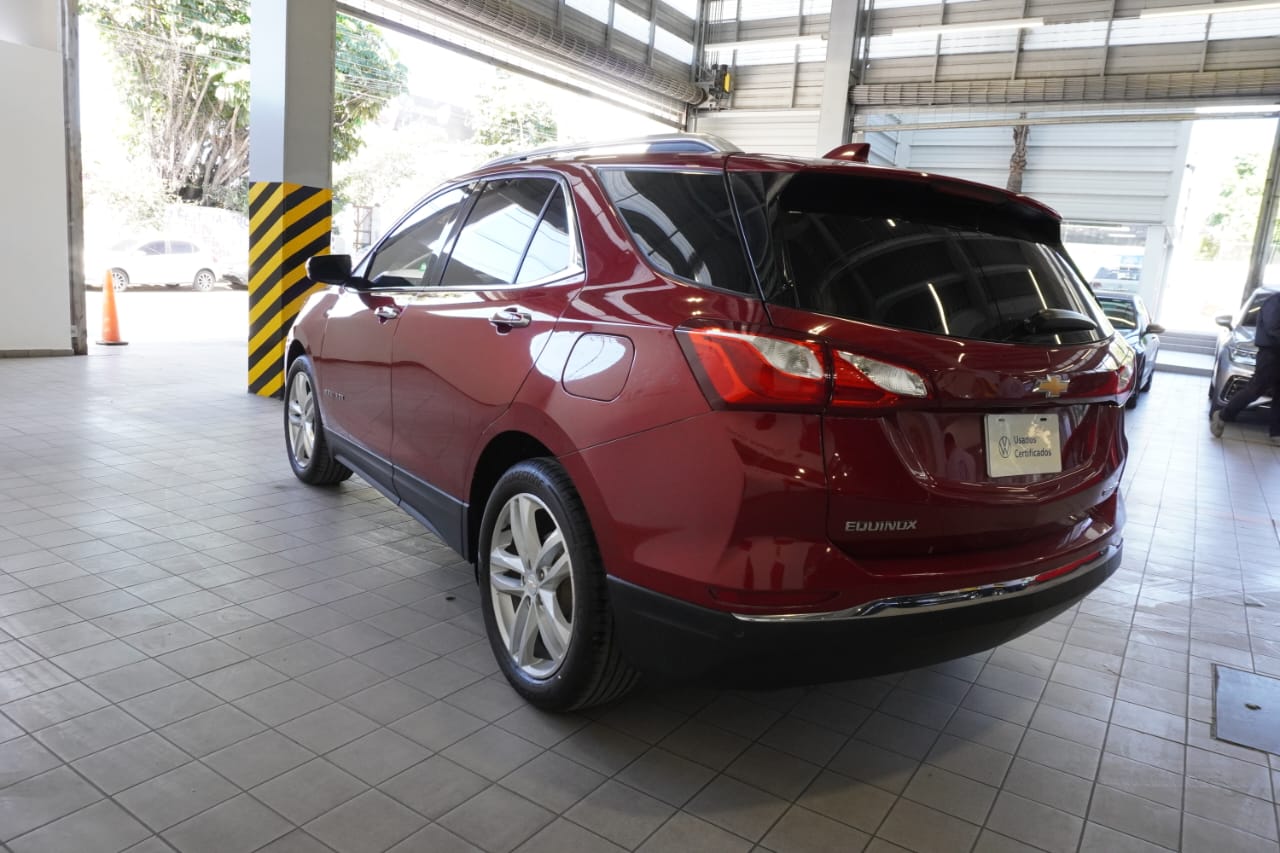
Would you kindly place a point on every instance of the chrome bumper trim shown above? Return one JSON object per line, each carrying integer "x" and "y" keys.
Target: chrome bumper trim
{"x": 930, "y": 602}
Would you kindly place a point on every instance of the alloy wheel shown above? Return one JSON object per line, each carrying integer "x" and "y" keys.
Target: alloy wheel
{"x": 302, "y": 419}
{"x": 531, "y": 583}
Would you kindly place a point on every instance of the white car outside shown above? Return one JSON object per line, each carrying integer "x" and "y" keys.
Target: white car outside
{"x": 158, "y": 260}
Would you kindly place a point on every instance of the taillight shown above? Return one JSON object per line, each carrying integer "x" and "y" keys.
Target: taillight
{"x": 862, "y": 381}
{"x": 756, "y": 371}
{"x": 745, "y": 369}
{"x": 1116, "y": 378}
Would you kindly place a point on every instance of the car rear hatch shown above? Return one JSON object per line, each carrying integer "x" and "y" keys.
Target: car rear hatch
{"x": 975, "y": 382}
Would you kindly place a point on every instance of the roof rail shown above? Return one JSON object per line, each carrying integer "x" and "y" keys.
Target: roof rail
{"x": 666, "y": 143}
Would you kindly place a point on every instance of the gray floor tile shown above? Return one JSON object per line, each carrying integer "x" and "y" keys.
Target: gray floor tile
{"x": 211, "y": 730}
{"x": 684, "y": 832}
{"x": 918, "y": 827}
{"x": 101, "y": 828}
{"x": 370, "y": 823}
{"x": 96, "y": 730}
{"x": 132, "y": 680}
{"x": 239, "y": 825}
{"x": 131, "y": 762}
{"x": 308, "y": 791}
{"x": 388, "y": 701}
{"x": 378, "y": 756}
{"x": 281, "y": 702}
{"x": 239, "y": 679}
{"x": 175, "y": 796}
{"x": 474, "y": 820}
{"x": 491, "y": 752}
{"x": 328, "y": 728}
{"x": 203, "y": 657}
{"x": 34, "y": 802}
{"x": 802, "y": 831}
{"x": 170, "y": 704}
{"x": 53, "y": 706}
{"x": 24, "y": 757}
{"x": 438, "y": 725}
{"x": 435, "y": 786}
{"x": 620, "y": 813}
{"x": 257, "y": 759}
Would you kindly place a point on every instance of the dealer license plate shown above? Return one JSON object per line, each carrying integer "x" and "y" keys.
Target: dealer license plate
{"x": 1023, "y": 444}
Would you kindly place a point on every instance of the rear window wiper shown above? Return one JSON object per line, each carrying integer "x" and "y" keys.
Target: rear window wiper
{"x": 1051, "y": 321}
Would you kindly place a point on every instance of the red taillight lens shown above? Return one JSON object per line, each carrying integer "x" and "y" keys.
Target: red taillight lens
{"x": 757, "y": 371}
{"x": 1116, "y": 378}
{"x": 862, "y": 381}
{"x": 745, "y": 369}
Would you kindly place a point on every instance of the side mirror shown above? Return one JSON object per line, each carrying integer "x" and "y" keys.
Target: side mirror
{"x": 1154, "y": 329}
{"x": 1223, "y": 320}
{"x": 329, "y": 269}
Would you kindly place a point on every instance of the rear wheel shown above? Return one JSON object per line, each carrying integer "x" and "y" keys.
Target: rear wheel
{"x": 546, "y": 610}
{"x": 309, "y": 453}
{"x": 203, "y": 280}
{"x": 119, "y": 280}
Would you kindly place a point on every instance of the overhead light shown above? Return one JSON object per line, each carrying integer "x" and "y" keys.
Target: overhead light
{"x": 972, "y": 26}
{"x": 782, "y": 41}
{"x": 1238, "y": 109}
{"x": 1209, "y": 9}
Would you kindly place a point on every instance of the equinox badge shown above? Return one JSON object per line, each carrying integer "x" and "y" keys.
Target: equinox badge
{"x": 1051, "y": 385}
{"x": 879, "y": 526}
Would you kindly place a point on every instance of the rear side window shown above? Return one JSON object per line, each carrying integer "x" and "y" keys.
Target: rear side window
{"x": 502, "y": 226}
{"x": 908, "y": 256}
{"x": 684, "y": 224}
{"x": 1122, "y": 313}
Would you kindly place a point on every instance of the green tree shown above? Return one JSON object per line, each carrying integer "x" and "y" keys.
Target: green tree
{"x": 505, "y": 120}
{"x": 184, "y": 71}
{"x": 1229, "y": 230}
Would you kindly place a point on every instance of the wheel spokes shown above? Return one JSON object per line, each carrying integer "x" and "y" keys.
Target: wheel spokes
{"x": 524, "y": 530}
{"x": 524, "y": 632}
{"x": 552, "y": 626}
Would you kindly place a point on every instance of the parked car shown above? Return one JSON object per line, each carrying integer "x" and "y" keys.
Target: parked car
{"x": 1236, "y": 354}
{"x": 747, "y": 419}
{"x": 158, "y": 260}
{"x": 1129, "y": 316}
{"x": 1116, "y": 277}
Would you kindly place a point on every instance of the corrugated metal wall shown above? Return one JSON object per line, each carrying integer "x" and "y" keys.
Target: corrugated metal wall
{"x": 765, "y": 131}
{"x": 1122, "y": 172}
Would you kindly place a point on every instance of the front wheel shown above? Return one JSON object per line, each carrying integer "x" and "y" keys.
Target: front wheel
{"x": 546, "y": 610}
{"x": 119, "y": 280}
{"x": 203, "y": 280}
{"x": 304, "y": 438}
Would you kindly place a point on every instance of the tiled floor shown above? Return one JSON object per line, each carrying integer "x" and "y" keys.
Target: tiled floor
{"x": 199, "y": 653}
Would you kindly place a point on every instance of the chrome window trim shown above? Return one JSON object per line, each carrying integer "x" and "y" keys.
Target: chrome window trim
{"x": 932, "y": 602}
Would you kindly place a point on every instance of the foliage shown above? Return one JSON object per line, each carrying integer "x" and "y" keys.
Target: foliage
{"x": 184, "y": 73}
{"x": 1229, "y": 230}
{"x": 506, "y": 121}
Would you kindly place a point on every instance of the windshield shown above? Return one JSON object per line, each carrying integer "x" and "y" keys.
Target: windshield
{"x": 1120, "y": 312}
{"x": 949, "y": 260}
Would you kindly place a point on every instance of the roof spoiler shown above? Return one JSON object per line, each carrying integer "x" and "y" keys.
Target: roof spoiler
{"x": 854, "y": 152}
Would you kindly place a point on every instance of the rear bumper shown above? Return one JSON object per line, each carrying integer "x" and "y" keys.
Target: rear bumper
{"x": 672, "y": 638}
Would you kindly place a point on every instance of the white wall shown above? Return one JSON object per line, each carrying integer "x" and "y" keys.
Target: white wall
{"x": 764, "y": 131}
{"x": 35, "y": 289}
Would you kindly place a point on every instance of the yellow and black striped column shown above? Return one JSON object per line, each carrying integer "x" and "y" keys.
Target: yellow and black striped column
{"x": 288, "y": 223}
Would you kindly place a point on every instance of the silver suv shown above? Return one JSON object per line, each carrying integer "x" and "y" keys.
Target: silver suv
{"x": 1237, "y": 354}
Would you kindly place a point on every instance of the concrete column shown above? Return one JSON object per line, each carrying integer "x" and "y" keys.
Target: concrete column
{"x": 290, "y": 172}
{"x": 35, "y": 210}
{"x": 833, "y": 119}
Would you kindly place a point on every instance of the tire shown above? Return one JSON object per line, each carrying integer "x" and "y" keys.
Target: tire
{"x": 203, "y": 281}
{"x": 1132, "y": 402}
{"x": 304, "y": 438}
{"x": 1146, "y": 386}
{"x": 119, "y": 280}
{"x": 569, "y": 657}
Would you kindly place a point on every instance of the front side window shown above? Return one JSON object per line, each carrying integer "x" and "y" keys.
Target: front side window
{"x": 684, "y": 224}
{"x": 910, "y": 256}
{"x": 410, "y": 255}
{"x": 505, "y": 233}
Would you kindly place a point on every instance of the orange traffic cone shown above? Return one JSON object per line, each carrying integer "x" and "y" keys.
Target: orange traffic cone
{"x": 110, "y": 325}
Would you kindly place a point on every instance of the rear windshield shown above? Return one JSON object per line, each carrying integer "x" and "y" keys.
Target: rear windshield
{"x": 957, "y": 262}
{"x": 1121, "y": 312}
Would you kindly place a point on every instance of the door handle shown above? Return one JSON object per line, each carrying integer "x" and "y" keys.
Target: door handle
{"x": 509, "y": 318}
{"x": 386, "y": 312}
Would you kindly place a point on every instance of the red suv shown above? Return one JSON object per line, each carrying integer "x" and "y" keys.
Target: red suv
{"x": 741, "y": 418}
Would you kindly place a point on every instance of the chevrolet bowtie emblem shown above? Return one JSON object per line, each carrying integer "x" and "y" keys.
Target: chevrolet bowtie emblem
{"x": 1051, "y": 386}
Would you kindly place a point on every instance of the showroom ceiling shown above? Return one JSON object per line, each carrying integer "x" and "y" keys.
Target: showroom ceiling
{"x": 964, "y": 60}
{"x": 635, "y": 52}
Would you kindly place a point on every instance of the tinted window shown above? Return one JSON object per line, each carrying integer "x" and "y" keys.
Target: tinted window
{"x": 548, "y": 251}
{"x": 179, "y": 247}
{"x": 155, "y": 247}
{"x": 409, "y": 255}
{"x": 908, "y": 256}
{"x": 497, "y": 232}
{"x": 683, "y": 222}
{"x": 1122, "y": 313}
